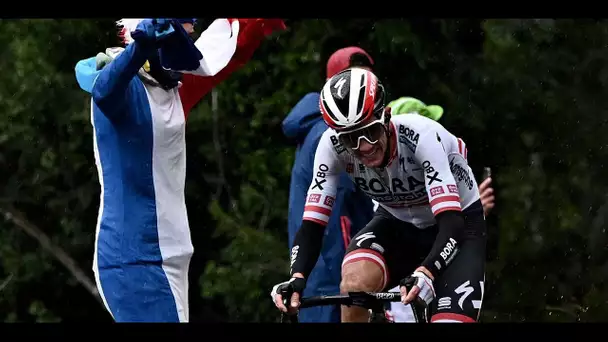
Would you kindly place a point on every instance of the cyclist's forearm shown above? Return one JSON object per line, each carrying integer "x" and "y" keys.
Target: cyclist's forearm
{"x": 447, "y": 243}
{"x": 306, "y": 248}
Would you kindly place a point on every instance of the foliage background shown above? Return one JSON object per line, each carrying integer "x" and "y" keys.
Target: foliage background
{"x": 527, "y": 96}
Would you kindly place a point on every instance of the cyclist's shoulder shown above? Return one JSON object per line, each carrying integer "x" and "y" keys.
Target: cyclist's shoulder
{"x": 415, "y": 126}
{"x": 410, "y": 128}
{"x": 415, "y": 122}
{"x": 330, "y": 144}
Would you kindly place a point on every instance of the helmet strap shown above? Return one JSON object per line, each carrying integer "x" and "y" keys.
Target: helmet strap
{"x": 387, "y": 131}
{"x": 387, "y": 151}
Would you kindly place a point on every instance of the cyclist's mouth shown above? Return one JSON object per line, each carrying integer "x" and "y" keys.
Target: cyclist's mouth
{"x": 370, "y": 155}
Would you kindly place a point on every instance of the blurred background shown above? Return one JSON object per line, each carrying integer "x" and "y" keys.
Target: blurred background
{"x": 528, "y": 97}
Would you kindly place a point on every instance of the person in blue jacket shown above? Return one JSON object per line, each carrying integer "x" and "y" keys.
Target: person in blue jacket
{"x": 304, "y": 125}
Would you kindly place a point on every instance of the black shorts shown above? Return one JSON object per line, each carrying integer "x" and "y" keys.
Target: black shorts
{"x": 399, "y": 248}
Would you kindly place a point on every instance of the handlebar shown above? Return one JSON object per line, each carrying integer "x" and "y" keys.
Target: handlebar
{"x": 363, "y": 299}
{"x": 367, "y": 300}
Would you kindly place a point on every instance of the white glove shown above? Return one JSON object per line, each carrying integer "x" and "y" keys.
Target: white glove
{"x": 422, "y": 287}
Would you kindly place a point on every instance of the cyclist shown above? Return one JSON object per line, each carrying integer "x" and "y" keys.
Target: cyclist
{"x": 352, "y": 208}
{"x": 429, "y": 228}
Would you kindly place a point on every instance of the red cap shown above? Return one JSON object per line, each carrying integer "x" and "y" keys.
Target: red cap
{"x": 340, "y": 60}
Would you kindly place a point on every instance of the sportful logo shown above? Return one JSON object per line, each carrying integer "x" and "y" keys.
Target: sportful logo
{"x": 444, "y": 303}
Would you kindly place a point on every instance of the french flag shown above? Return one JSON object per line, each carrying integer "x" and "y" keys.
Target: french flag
{"x": 224, "y": 47}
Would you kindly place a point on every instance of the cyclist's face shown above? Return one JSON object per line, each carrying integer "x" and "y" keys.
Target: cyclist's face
{"x": 372, "y": 155}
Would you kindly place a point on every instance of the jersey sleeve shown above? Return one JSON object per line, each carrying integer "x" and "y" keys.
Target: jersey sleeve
{"x": 322, "y": 191}
{"x": 438, "y": 179}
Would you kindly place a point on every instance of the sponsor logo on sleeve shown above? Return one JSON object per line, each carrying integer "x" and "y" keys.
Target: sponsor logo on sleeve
{"x": 314, "y": 198}
{"x": 320, "y": 177}
{"x": 438, "y": 190}
{"x": 329, "y": 201}
{"x": 449, "y": 251}
{"x": 453, "y": 189}
{"x": 461, "y": 175}
{"x": 431, "y": 173}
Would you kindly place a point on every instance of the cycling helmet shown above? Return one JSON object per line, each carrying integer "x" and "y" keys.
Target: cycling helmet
{"x": 352, "y": 98}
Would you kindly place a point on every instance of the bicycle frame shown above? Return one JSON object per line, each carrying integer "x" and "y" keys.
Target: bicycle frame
{"x": 373, "y": 301}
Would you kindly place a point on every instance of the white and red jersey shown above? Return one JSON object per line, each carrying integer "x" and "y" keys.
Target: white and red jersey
{"x": 427, "y": 174}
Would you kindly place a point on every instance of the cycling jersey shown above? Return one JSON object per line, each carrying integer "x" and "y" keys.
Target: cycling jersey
{"x": 427, "y": 173}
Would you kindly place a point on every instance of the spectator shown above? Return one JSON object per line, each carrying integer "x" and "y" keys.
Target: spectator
{"x": 304, "y": 125}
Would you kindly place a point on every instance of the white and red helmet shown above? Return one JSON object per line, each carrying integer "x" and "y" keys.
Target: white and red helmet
{"x": 350, "y": 98}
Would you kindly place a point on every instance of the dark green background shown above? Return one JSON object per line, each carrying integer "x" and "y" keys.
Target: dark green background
{"x": 528, "y": 97}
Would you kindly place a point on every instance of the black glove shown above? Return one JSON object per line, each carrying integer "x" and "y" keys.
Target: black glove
{"x": 287, "y": 289}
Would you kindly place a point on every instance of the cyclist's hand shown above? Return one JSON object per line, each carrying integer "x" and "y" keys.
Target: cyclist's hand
{"x": 422, "y": 287}
{"x": 486, "y": 194}
{"x": 291, "y": 290}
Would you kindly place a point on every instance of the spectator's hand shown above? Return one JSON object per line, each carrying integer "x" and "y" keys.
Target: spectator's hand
{"x": 150, "y": 31}
{"x": 486, "y": 193}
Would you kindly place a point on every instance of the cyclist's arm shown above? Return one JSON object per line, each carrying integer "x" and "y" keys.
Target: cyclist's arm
{"x": 317, "y": 210}
{"x": 444, "y": 200}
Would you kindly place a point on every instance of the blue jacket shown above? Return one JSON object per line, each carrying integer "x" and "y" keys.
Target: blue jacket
{"x": 305, "y": 125}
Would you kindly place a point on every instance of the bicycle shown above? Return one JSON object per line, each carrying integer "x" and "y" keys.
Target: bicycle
{"x": 373, "y": 301}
